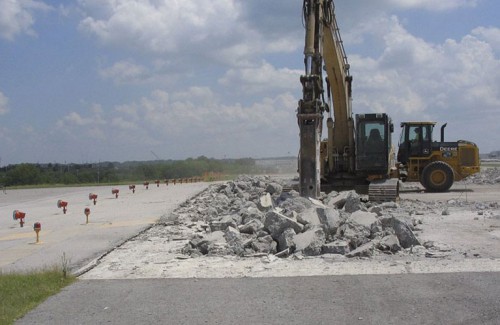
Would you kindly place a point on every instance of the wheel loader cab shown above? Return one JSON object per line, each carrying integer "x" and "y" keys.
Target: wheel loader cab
{"x": 415, "y": 141}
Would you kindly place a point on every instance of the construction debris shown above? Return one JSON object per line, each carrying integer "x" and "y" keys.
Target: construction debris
{"x": 254, "y": 215}
{"x": 485, "y": 177}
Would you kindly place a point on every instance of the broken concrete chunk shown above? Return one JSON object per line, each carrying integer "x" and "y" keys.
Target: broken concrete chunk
{"x": 405, "y": 235}
{"x": 265, "y": 244}
{"x": 293, "y": 215}
{"x": 365, "y": 219}
{"x": 337, "y": 201}
{"x": 251, "y": 227}
{"x": 365, "y": 250}
{"x": 390, "y": 243}
{"x": 232, "y": 234}
{"x": 376, "y": 229}
{"x": 408, "y": 220}
{"x": 276, "y": 223}
{"x": 250, "y": 213}
{"x": 243, "y": 185}
{"x": 211, "y": 212}
{"x": 212, "y": 242}
{"x": 307, "y": 217}
{"x": 223, "y": 223}
{"x": 285, "y": 241}
{"x": 261, "y": 233}
{"x": 376, "y": 209}
{"x": 297, "y": 204}
{"x": 234, "y": 240}
{"x": 329, "y": 219}
{"x": 353, "y": 202}
{"x": 274, "y": 188}
{"x": 386, "y": 221}
{"x": 317, "y": 203}
{"x": 389, "y": 205}
{"x": 265, "y": 202}
{"x": 310, "y": 242}
{"x": 337, "y": 247}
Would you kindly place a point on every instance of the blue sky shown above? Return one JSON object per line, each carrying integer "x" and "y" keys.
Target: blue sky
{"x": 115, "y": 80}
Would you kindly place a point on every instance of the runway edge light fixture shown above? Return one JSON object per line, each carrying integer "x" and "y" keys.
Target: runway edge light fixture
{"x": 62, "y": 204}
{"x": 93, "y": 197}
{"x": 19, "y": 215}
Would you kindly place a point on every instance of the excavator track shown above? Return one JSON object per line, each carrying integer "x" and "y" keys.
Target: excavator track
{"x": 384, "y": 190}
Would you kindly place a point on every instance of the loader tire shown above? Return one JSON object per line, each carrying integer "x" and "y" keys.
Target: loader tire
{"x": 437, "y": 177}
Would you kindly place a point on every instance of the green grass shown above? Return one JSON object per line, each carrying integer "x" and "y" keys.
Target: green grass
{"x": 21, "y": 292}
{"x": 118, "y": 183}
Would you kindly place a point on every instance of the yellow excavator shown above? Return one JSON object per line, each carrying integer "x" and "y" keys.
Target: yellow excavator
{"x": 358, "y": 152}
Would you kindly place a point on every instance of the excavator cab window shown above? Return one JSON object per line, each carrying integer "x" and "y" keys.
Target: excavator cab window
{"x": 375, "y": 140}
{"x": 372, "y": 144}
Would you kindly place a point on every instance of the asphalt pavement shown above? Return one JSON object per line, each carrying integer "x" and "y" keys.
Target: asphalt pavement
{"x": 455, "y": 298}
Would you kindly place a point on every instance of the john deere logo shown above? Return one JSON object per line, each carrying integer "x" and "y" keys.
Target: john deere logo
{"x": 448, "y": 148}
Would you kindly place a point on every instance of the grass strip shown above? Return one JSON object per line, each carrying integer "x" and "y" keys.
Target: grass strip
{"x": 21, "y": 292}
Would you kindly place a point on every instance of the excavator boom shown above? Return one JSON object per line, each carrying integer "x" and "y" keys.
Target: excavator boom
{"x": 311, "y": 106}
{"x": 323, "y": 47}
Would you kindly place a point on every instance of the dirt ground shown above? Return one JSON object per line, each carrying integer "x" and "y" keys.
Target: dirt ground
{"x": 463, "y": 223}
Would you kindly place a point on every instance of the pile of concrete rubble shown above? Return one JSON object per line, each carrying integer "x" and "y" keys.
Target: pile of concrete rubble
{"x": 486, "y": 176}
{"x": 254, "y": 216}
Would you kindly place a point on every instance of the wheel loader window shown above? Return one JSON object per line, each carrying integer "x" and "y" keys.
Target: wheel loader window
{"x": 418, "y": 134}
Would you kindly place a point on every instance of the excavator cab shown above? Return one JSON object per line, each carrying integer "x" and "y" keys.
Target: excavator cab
{"x": 373, "y": 143}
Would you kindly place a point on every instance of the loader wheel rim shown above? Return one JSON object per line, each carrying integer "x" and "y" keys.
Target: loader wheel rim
{"x": 438, "y": 177}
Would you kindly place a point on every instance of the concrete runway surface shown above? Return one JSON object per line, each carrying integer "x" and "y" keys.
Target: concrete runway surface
{"x": 111, "y": 222}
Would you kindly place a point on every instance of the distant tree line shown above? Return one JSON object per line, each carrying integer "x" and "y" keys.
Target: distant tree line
{"x": 115, "y": 172}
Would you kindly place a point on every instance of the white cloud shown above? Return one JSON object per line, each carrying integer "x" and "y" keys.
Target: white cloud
{"x": 122, "y": 123}
{"x": 75, "y": 119}
{"x": 196, "y": 31}
{"x": 78, "y": 127}
{"x": 17, "y": 17}
{"x": 491, "y": 35}
{"x": 199, "y": 111}
{"x": 159, "y": 26}
{"x": 186, "y": 123}
{"x": 125, "y": 72}
{"x": 433, "y": 5}
{"x": 263, "y": 78}
{"x": 4, "y": 101}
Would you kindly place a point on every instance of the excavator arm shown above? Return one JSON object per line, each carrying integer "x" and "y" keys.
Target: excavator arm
{"x": 323, "y": 47}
